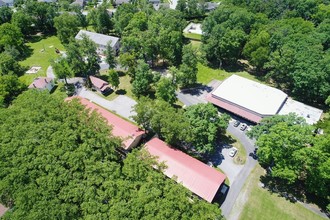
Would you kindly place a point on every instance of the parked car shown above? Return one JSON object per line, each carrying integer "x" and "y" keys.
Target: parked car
{"x": 243, "y": 127}
{"x": 233, "y": 151}
{"x": 236, "y": 123}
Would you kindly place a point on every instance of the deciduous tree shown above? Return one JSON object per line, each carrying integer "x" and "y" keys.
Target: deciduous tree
{"x": 165, "y": 90}
{"x": 114, "y": 78}
{"x": 67, "y": 26}
{"x": 205, "y": 125}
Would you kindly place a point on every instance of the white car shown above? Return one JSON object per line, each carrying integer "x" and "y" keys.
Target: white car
{"x": 233, "y": 151}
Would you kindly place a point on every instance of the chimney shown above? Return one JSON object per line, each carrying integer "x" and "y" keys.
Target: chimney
{"x": 34, "y": 85}
{"x": 46, "y": 80}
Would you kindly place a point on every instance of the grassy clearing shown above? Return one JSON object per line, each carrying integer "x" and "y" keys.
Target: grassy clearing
{"x": 193, "y": 36}
{"x": 42, "y": 51}
{"x": 240, "y": 157}
{"x": 261, "y": 204}
{"x": 206, "y": 74}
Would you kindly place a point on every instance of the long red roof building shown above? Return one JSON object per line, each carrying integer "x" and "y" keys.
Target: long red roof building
{"x": 196, "y": 176}
{"x": 128, "y": 132}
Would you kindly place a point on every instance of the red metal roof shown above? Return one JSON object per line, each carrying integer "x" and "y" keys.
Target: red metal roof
{"x": 120, "y": 128}
{"x": 234, "y": 109}
{"x": 196, "y": 176}
{"x": 40, "y": 82}
{"x": 99, "y": 83}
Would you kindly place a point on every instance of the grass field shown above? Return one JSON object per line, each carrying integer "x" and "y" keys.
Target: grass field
{"x": 193, "y": 36}
{"x": 206, "y": 74}
{"x": 261, "y": 204}
{"x": 42, "y": 51}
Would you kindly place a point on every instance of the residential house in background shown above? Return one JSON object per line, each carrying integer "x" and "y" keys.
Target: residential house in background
{"x": 100, "y": 85}
{"x": 120, "y": 2}
{"x": 80, "y": 3}
{"x": 211, "y": 6}
{"x": 101, "y": 41}
{"x": 8, "y": 3}
{"x": 42, "y": 83}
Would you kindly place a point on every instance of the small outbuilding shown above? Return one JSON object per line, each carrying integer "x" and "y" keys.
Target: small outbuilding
{"x": 42, "y": 83}
{"x": 100, "y": 85}
{"x": 199, "y": 178}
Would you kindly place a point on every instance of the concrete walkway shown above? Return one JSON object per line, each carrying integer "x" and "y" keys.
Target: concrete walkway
{"x": 122, "y": 105}
{"x": 50, "y": 72}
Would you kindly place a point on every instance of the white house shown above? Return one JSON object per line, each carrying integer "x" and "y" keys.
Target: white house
{"x": 101, "y": 40}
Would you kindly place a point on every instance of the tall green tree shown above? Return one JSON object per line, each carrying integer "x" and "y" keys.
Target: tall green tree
{"x": 24, "y": 21}
{"x": 10, "y": 88}
{"x": 205, "y": 125}
{"x": 114, "y": 78}
{"x": 188, "y": 68}
{"x": 165, "y": 90}
{"x": 5, "y": 14}
{"x": 67, "y": 26}
{"x": 91, "y": 58}
{"x": 110, "y": 56}
{"x": 62, "y": 69}
{"x": 143, "y": 78}
{"x": 9, "y": 65}
{"x": 10, "y": 35}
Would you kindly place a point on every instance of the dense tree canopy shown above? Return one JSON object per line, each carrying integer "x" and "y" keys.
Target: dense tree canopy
{"x": 287, "y": 42}
{"x": 59, "y": 161}
{"x": 154, "y": 37}
{"x": 205, "y": 125}
{"x": 200, "y": 125}
{"x": 5, "y": 14}
{"x": 295, "y": 154}
{"x": 67, "y": 26}
{"x": 10, "y": 35}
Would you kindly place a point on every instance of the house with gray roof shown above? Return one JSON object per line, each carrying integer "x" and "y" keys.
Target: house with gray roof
{"x": 100, "y": 40}
{"x": 9, "y": 3}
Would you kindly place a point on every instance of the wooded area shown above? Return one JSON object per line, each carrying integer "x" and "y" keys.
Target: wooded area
{"x": 59, "y": 161}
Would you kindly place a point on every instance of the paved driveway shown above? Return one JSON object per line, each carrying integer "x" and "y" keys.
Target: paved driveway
{"x": 196, "y": 95}
{"x": 122, "y": 105}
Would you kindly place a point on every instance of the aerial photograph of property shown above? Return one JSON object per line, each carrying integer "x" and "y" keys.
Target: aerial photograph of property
{"x": 164, "y": 109}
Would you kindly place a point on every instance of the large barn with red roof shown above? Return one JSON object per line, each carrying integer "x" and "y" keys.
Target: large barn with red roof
{"x": 128, "y": 132}
{"x": 199, "y": 178}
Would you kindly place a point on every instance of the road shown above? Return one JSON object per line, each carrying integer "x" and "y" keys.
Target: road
{"x": 238, "y": 184}
{"x": 122, "y": 105}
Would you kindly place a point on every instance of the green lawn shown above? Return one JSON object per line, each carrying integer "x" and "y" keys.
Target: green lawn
{"x": 206, "y": 74}
{"x": 261, "y": 204}
{"x": 193, "y": 36}
{"x": 43, "y": 50}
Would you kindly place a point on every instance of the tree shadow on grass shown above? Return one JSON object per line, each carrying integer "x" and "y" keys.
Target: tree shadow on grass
{"x": 26, "y": 52}
{"x": 121, "y": 92}
{"x": 103, "y": 77}
{"x": 121, "y": 73}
